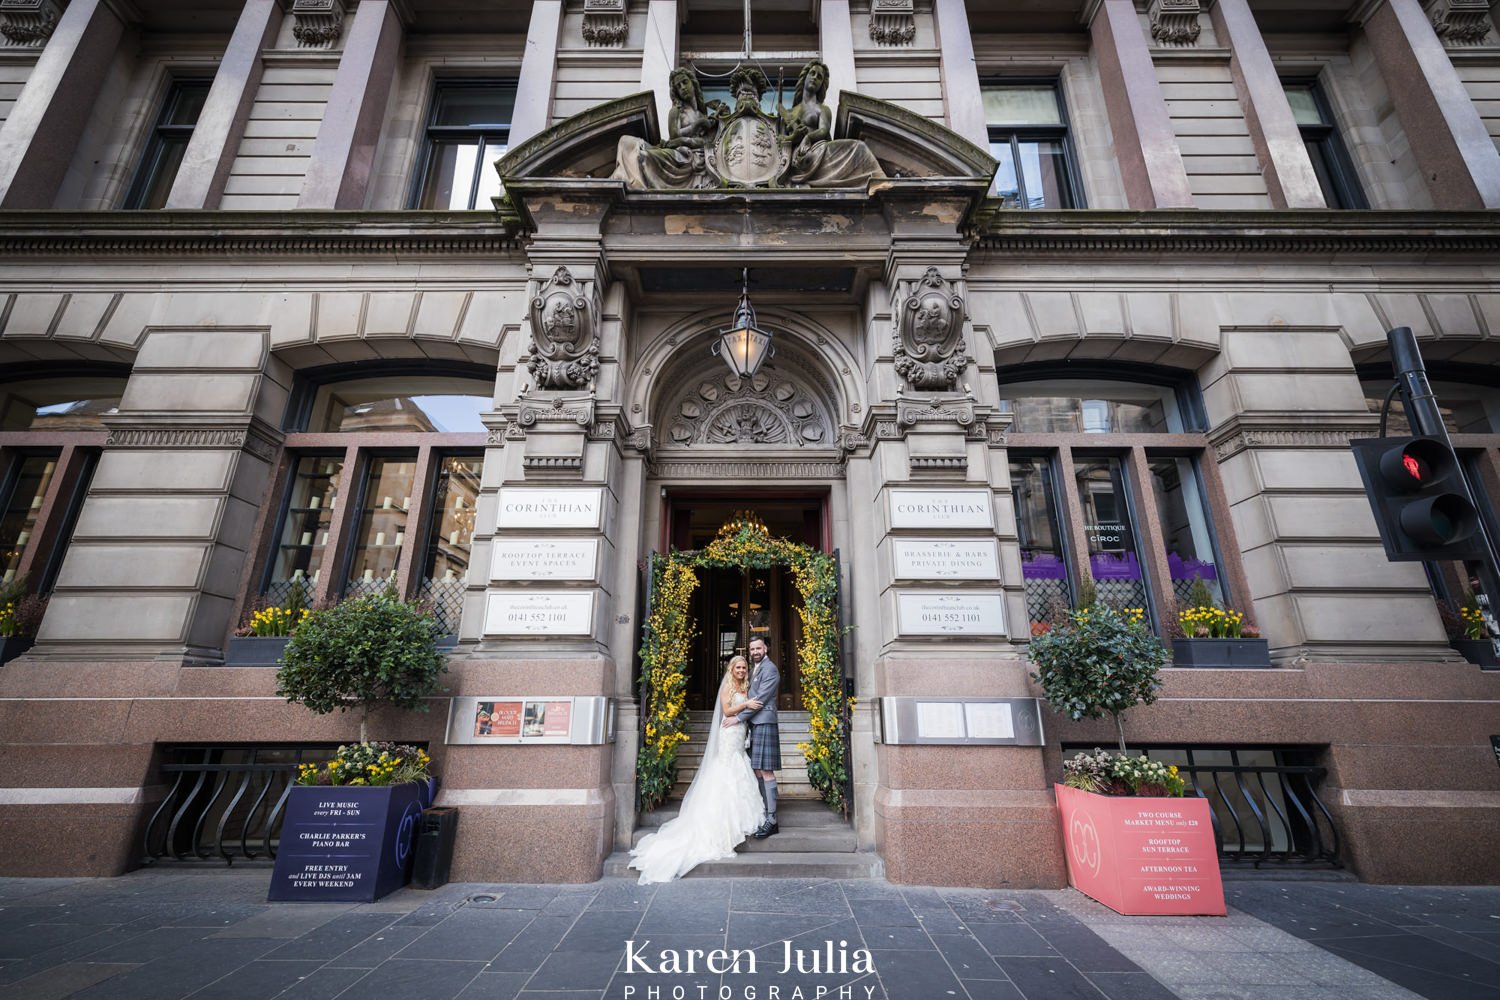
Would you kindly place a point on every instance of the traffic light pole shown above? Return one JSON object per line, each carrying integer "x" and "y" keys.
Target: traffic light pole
{"x": 1426, "y": 419}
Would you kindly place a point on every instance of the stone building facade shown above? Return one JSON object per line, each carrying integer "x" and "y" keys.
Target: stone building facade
{"x": 269, "y": 320}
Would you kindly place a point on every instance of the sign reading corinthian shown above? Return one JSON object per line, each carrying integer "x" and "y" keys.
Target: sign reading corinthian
{"x": 716, "y": 145}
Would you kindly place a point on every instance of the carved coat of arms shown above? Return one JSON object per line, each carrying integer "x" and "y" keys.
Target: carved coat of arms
{"x": 930, "y": 352}
{"x": 749, "y": 149}
{"x": 564, "y": 346}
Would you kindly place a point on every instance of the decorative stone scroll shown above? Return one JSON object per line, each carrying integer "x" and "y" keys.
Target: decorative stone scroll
{"x": 930, "y": 352}
{"x": 564, "y": 345}
{"x": 29, "y": 22}
{"x": 1175, "y": 22}
{"x": 742, "y": 145}
{"x": 1460, "y": 22}
{"x": 893, "y": 22}
{"x": 604, "y": 22}
{"x": 319, "y": 23}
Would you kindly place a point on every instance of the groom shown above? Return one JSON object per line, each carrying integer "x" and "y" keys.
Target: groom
{"x": 765, "y": 738}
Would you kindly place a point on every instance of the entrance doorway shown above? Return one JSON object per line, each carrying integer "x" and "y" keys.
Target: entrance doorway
{"x": 733, "y": 605}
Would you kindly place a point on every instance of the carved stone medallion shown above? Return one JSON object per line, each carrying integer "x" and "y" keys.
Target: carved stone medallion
{"x": 930, "y": 353}
{"x": 564, "y": 348}
{"x": 764, "y": 410}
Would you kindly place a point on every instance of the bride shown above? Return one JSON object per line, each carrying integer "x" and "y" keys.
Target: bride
{"x": 722, "y": 805}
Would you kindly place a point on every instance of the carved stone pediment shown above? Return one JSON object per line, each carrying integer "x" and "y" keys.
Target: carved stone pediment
{"x": 929, "y": 348}
{"x": 564, "y": 341}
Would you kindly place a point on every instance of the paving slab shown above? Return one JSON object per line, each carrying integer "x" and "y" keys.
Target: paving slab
{"x": 207, "y": 935}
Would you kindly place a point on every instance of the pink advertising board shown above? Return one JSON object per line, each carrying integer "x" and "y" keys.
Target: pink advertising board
{"x": 1142, "y": 856}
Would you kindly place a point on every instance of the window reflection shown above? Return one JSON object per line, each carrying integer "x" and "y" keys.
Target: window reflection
{"x": 451, "y": 538}
{"x": 22, "y": 508}
{"x": 381, "y": 530}
{"x": 1056, "y": 407}
{"x": 1043, "y": 566}
{"x": 74, "y": 404}
{"x": 1466, "y": 408}
{"x": 1113, "y": 560}
{"x": 302, "y": 551}
{"x": 1183, "y": 514}
{"x": 444, "y": 405}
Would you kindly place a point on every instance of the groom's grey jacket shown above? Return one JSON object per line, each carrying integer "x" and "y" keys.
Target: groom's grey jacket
{"x": 764, "y": 687}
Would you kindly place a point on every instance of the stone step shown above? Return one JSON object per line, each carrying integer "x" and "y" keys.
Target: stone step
{"x": 771, "y": 864}
{"x": 791, "y": 840}
{"x": 798, "y": 815}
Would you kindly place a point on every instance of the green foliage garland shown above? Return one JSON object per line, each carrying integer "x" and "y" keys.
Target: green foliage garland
{"x": 744, "y": 543}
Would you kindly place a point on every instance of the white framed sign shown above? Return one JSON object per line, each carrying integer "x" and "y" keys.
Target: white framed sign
{"x": 969, "y": 508}
{"x": 545, "y": 507}
{"x": 946, "y": 559}
{"x": 539, "y": 612}
{"x": 949, "y": 613}
{"x": 514, "y": 559}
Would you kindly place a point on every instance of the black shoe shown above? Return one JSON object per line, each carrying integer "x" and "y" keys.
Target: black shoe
{"x": 766, "y": 829}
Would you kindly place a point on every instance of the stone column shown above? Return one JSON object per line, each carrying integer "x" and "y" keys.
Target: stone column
{"x": 1282, "y": 406}
{"x": 836, "y": 41}
{"x": 1278, "y": 143}
{"x": 216, "y": 137}
{"x": 338, "y": 174}
{"x": 659, "y": 55}
{"x": 556, "y": 446}
{"x": 157, "y": 554}
{"x": 1145, "y": 143}
{"x": 960, "y": 73}
{"x": 1447, "y": 136}
{"x": 929, "y": 466}
{"x": 539, "y": 73}
{"x": 41, "y": 134}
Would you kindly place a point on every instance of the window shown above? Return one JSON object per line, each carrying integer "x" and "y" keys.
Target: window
{"x": 167, "y": 144}
{"x": 1029, "y": 136}
{"x": 1113, "y": 481}
{"x": 467, "y": 131}
{"x": 379, "y": 488}
{"x": 1330, "y": 160}
{"x": 50, "y": 439}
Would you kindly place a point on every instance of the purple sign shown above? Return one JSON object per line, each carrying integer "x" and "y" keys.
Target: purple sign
{"x": 345, "y": 843}
{"x": 1042, "y": 566}
{"x": 1105, "y": 566}
{"x": 1190, "y": 569}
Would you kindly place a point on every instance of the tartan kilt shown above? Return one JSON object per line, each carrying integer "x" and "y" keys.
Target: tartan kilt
{"x": 765, "y": 747}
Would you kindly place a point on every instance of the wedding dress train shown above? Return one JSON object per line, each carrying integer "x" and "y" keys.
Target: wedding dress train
{"x": 721, "y": 808}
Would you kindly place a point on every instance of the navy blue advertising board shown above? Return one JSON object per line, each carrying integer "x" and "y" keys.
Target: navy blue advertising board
{"x": 343, "y": 843}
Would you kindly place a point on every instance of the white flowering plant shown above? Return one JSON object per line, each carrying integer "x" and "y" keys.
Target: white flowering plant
{"x": 1108, "y": 773}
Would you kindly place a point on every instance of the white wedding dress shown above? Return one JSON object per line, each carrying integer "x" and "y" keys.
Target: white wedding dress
{"x": 721, "y": 808}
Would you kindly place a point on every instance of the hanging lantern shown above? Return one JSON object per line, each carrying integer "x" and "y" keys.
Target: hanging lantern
{"x": 744, "y": 346}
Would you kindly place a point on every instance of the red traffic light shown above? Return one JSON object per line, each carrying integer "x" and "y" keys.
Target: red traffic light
{"x": 1419, "y": 499}
{"x": 1416, "y": 464}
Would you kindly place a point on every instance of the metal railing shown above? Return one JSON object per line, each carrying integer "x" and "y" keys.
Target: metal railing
{"x": 1264, "y": 804}
{"x": 225, "y": 802}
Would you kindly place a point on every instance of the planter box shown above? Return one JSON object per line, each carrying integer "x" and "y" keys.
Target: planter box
{"x": 255, "y": 650}
{"x": 1237, "y": 653}
{"x": 1142, "y": 856}
{"x": 1480, "y": 651}
{"x": 346, "y": 844}
{"x": 13, "y": 646}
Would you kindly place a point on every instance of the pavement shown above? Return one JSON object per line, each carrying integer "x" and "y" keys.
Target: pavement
{"x": 210, "y": 935}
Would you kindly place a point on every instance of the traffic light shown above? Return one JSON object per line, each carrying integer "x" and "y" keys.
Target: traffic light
{"x": 1421, "y": 504}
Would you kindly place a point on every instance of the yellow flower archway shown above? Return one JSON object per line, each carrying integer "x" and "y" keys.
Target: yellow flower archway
{"x": 743, "y": 543}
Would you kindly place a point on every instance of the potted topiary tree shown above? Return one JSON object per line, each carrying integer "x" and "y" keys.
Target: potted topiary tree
{"x": 348, "y": 829}
{"x": 1142, "y": 848}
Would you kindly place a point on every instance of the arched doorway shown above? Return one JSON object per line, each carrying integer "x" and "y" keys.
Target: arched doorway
{"x": 744, "y": 545}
